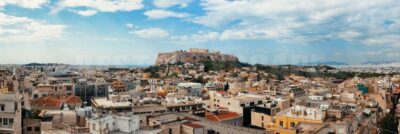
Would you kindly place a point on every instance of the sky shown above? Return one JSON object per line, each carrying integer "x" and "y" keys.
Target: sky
{"x": 133, "y": 32}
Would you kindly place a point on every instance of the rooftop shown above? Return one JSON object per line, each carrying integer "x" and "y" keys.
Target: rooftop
{"x": 192, "y": 125}
{"x": 106, "y": 103}
{"x": 303, "y": 112}
{"x": 221, "y": 116}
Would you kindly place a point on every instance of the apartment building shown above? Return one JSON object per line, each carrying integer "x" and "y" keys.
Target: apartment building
{"x": 193, "y": 89}
{"x": 87, "y": 89}
{"x": 62, "y": 89}
{"x": 111, "y": 104}
{"x": 10, "y": 113}
{"x": 221, "y": 100}
{"x": 114, "y": 124}
{"x": 287, "y": 121}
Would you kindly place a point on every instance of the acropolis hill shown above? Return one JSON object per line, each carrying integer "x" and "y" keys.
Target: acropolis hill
{"x": 194, "y": 55}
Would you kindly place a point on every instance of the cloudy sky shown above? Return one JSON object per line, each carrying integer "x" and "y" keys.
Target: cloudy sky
{"x": 257, "y": 31}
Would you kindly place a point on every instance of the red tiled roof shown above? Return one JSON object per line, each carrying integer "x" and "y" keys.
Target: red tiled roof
{"x": 72, "y": 100}
{"x": 212, "y": 118}
{"x": 192, "y": 125}
{"x": 222, "y": 92}
{"x": 47, "y": 102}
{"x": 55, "y": 101}
{"x": 221, "y": 116}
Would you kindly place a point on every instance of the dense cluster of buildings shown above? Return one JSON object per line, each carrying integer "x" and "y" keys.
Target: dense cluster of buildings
{"x": 186, "y": 99}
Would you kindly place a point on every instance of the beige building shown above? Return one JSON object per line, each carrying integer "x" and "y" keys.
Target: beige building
{"x": 221, "y": 100}
{"x": 31, "y": 126}
{"x": 54, "y": 89}
{"x": 111, "y": 104}
{"x": 262, "y": 115}
{"x": 260, "y": 120}
{"x": 10, "y": 113}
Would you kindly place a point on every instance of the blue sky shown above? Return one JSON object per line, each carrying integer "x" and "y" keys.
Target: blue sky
{"x": 130, "y": 32}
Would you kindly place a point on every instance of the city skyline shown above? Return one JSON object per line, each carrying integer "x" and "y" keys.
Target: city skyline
{"x": 133, "y": 32}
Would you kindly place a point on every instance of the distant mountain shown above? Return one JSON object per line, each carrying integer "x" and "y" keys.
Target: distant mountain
{"x": 377, "y": 62}
{"x": 329, "y": 63}
{"x": 41, "y": 64}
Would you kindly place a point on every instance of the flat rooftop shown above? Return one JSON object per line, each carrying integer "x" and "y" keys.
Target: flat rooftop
{"x": 303, "y": 112}
{"x": 247, "y": 98}
{"x": 106, "y": 103}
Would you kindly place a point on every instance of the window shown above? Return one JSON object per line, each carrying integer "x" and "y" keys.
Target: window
{"x": 2, "y": 107}
{"x": 262, "y": 118}
{"x": 170, "y": 131}
{"x": 292, "y": 124}
{"x": 281, "y": 123}
{"x": 7, "y": 122}
{"x": 37, "y": 129}
{"x": 69, "y": 88}
{"x": 29, "y": 129}
{"x": 229, "y": 103}
{"x": 94, "y": 126}
{"x": 262, "y": 124}
{"x": 242, "y": 105}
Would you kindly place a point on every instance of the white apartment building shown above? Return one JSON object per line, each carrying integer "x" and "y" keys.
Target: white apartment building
{"x": 10, "y": 113}
{"x": 114, "y": 123}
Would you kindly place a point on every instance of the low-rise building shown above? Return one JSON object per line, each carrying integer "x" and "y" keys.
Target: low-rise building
{"x": 111, "y": 104}
{"x": 62, "y": 89}
{"x": 117, "y": 124}
{"x": 286, "y": 121}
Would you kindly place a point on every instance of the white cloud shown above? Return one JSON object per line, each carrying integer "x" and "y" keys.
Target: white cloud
{"x": 349, "y": 35}
{"x": 84, "y": 12}
{"x": 151, "y": 33}
{"x": 307, "y": 21}
{"x": 161, "y": 14}
{"x": 170, "y": 3}
{"x": 393, "y": 40}
{"x": 197, "y": 37}
{"x": 130, "y": 25}
{"x": 219, "y": 12}
{"x": 21, "y": 29}
{"x": 32, "y": 4}
{"x": 100, "y": 5}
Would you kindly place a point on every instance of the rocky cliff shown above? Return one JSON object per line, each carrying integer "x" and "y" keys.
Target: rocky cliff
{"x": 193, "y": 56}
